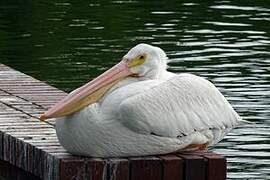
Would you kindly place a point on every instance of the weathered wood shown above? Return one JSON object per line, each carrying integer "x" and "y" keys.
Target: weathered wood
{"x": 6, "y": 148}
{"x": 9, "y": 171}
{"x": 30, "y": 148}
{"x": 173, "y": 167}
{"x": 216, "y": 168}
{"x": 96, "y": 169}
{"x": 51, "y": 167}
{"x": 118, "y": 169}
{"x": 21, "y": 154}
{"x": 1, "y": 145}
{"x": 215, "y": 165}
{"x": 149, "y": 168}
{"x": 72, "y": 168}
{"x": 192, "y": 164}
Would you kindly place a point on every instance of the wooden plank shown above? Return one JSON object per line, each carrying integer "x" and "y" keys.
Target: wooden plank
{"x": 118, "y": 169}
{"x": 193, "y": 163}
{"x": 41, "y": 163}
{"x": 12, "y": 150}
{"x": 8, "y": 171}
{"x": 173, "y": 167}
{"x": 23, "y": 125}
{"x": 1, "y": 145}
{"x": 30, "y": 158}
{"x": 96, "y": 169}
{"x": 21, "y": 154}
{"x": 38, "y": 162}
{"x": 149, "y": 168}
{"x": 6, "y": 149}
{"x": 51, "y": 169}
{"x": 216, "y": 167}
{"x": 72, "y": 168}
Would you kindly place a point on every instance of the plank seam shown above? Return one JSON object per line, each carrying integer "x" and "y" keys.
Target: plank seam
{"x": 30, "y": 115}
{"x": 33, "y": 103}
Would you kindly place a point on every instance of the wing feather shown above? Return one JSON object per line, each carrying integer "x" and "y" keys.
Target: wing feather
{"x": 179, "y": 106}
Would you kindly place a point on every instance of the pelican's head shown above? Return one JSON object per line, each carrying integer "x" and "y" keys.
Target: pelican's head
{"x": 145, "y": 60}
{"x": 142, "y": 60}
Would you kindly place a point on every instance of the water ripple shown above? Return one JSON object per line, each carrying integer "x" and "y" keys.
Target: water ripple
{"x": 226, "y": 23}
{"x": 244, "y": 8}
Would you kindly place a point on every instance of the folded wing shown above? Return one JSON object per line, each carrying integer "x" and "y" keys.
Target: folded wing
{"x": 178, "y": 107}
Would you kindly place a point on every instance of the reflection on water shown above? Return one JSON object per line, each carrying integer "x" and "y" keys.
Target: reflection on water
{"x": 67, "y": 43}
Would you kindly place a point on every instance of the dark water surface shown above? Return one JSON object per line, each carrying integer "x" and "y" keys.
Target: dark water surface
{"x": 67, "y": 43}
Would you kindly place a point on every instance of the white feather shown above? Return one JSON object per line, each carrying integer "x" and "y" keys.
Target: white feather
{"x": 181, "y": 105}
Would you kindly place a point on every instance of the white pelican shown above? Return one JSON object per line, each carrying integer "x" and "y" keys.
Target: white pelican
{"x": 138, "y": 108}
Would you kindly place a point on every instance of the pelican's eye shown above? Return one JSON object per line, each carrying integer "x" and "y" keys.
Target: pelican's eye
{"x": 137, "y": 61}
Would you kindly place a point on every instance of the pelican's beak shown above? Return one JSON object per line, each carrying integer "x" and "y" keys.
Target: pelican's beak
{"x": 89, "y": 93}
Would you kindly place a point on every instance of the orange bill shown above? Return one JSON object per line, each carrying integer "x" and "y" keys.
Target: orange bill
{"x": 88, "y": 93}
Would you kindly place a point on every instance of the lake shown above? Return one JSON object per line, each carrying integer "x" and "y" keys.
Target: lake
{"x": 67, "y": 43}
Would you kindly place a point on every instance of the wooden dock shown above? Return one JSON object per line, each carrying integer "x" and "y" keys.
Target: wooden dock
{"x": 30, "y": 148}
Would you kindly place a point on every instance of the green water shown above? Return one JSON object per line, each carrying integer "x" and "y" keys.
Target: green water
{"x": 66, "y": 43}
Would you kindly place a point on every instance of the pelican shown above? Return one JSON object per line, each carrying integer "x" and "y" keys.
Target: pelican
{"x": 138, "y": 108}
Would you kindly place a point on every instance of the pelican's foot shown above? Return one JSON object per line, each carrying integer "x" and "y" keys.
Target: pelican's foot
{"x": 194, "y": 147}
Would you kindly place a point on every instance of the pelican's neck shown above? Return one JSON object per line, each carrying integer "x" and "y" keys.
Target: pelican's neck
{"x": 160, "y": 75}
{"x": 156, "y": 70}
{"x": 165, "y": 75}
